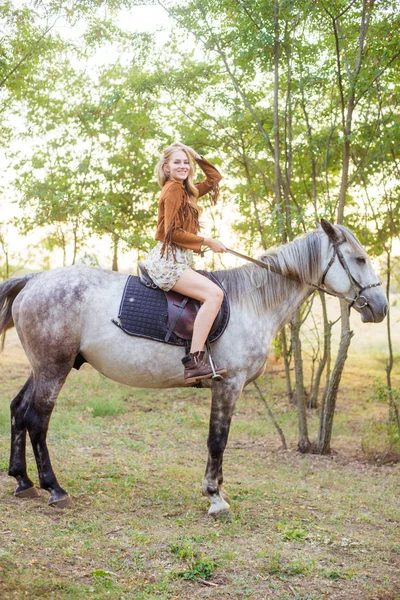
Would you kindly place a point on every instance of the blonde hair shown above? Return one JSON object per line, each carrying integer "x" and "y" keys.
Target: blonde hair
{"x": 162, "y": 176}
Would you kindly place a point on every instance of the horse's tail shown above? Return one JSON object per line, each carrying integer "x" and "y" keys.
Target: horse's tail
{"x": 9, "y": 290}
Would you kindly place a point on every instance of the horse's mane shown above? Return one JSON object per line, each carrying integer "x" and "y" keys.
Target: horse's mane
{"x": 300, "y": 259}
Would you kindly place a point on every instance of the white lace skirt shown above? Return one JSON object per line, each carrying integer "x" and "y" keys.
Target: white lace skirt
{"x": 165, "y": 272}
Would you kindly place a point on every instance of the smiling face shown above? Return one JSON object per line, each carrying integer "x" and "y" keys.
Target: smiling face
{"x": 178, "y": 166}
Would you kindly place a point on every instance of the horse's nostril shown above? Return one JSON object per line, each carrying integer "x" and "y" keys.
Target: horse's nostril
{"x": 385, "y": 310}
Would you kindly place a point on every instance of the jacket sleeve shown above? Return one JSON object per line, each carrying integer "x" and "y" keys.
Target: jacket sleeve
{"x": 172, "y": 225}
{"x": 211, "y": 182}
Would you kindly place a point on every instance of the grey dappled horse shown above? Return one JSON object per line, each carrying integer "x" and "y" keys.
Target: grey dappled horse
{"x": 67, "y": 311}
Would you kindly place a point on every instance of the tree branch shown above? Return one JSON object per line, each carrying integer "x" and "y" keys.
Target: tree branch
{"x": 27, "y": 54}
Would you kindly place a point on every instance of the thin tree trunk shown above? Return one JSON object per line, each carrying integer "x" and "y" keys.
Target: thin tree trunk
{"x": 271, "y": 416}
{"x": 75, "y": 234}
{"x": 304, "y": 442}
{"x": 6, "y": 256}
{"x": 115, "y": 253}
{"x": 278, "y": 193}
{"x": 313, "y": 402}
{"x": 63, "y": 246}
{"x": 393, "y": 409}
{"x": 286, "y": 362}
{"x": 347, "y": 109}
{"x": 328, "y": 409}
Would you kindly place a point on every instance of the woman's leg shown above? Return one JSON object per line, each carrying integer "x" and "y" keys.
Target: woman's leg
{"x": 199, "y": 287}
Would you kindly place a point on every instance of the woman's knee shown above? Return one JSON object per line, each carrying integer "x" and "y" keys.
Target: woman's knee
{"x": 214, "y": 296}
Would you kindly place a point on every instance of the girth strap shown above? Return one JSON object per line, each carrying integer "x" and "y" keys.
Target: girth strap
{"x": 178, "y": 314}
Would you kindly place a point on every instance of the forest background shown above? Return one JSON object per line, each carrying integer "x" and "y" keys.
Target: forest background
{"x": 296, "y": 102}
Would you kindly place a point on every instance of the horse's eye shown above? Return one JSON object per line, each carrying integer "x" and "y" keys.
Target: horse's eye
{"x": 361, "y": 260}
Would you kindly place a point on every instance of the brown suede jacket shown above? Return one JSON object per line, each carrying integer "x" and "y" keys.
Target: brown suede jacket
{"x": 178, "y": 221}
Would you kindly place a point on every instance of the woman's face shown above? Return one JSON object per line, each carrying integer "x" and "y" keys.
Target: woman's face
{"x": 178, "y": 166}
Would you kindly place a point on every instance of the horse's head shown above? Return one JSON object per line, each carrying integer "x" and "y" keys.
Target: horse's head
{"x": 347, "y": 271}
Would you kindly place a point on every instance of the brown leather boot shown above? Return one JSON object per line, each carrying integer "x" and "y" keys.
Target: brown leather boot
{"x": 196, "y": 369}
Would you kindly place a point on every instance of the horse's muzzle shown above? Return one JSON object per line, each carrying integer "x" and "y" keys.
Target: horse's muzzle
{"x": 373, "y": 312}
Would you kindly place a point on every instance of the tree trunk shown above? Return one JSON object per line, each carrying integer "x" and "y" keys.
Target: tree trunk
{"x": 115, "y": 253}
{"x": 394, "y": 416}
{"x": 277, "y": 170}
{"x": 313, "y": 402}
{"x": 75, "y": 234}
{"x": 328, "y": 408}
{"x": 286, "y": 362}
{"x": 6, "y": 256}
{"x": 63, "y": 246}
{"x": 271, "y": 416}
{"x": 304, "y": 442}
{"x": 347, "y": 110}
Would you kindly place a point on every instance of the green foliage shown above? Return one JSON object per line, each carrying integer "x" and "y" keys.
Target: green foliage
{"x": 94, "y": 171}
{"x": 105, "y": 408}
{"x": 183, "y": 550}
{"x": 199, "y": 568}
{"x": 275, "y": 565}
{"x": 381, "y": 438}
{"x": 199, "y": 565}
{"x": 233, "y": 114}
{"x": 291, "y": 530}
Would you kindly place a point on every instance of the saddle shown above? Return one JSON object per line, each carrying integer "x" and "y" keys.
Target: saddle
{"x": 147, "y": 311}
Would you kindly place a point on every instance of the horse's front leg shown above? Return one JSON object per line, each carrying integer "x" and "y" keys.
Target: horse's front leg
{"x": 224, "y": 398}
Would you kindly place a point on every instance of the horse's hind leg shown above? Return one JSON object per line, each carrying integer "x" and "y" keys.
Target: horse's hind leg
{"x": 17, "y": 469}
{"x": 224, "y": 398}
{"x": 37, "y": 418}
{"x": 31, "y": 410}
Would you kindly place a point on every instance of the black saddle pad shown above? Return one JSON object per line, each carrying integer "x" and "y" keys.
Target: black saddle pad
{"x": 143, "y": 312}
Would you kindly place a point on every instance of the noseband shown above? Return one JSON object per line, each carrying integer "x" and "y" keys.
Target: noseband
{"x": 357, "y": 287}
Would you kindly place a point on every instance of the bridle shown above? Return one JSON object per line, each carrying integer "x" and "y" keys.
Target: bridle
{"x": 357, "y": 287}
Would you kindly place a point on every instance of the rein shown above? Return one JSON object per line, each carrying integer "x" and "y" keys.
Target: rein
{"x": 357, "y": 287}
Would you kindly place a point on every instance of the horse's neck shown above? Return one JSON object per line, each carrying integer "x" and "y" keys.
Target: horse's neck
{"x": 293, "y": 293}
{"x": 290, "y": 304}
{"x": 282, "y": 297}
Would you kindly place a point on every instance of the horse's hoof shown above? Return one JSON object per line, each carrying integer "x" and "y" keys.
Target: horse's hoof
{"x": 224, "y": 496}
{"x": 63, "y": 502}
{"x": 221, "y": 515}
{"x": 31, "y": 492}
{"x": 218, "y": 507}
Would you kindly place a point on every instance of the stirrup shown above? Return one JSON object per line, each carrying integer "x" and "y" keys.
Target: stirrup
{"x": 216, "y": 376}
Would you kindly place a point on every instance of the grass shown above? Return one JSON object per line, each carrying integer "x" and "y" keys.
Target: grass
{"x": 301, "y": 527}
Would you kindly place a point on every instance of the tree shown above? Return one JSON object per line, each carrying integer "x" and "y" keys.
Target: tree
{"x": 322, "y": 69}
{"x": 91, "y": 169}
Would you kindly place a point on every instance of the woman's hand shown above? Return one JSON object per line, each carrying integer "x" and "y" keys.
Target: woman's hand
{"x": 214, "y": 245}
{"x": 188, "y": 149}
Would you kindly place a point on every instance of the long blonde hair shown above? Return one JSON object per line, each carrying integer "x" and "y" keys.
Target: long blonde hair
{"x": 162, "y": 176}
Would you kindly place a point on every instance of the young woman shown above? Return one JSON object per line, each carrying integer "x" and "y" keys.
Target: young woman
{"x": 170, "y": 263}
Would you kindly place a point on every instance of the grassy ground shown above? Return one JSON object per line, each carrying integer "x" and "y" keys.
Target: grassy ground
{"x": 302, "y": 527}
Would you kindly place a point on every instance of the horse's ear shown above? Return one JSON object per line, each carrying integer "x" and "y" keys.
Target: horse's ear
{"x": 330, "y": 230}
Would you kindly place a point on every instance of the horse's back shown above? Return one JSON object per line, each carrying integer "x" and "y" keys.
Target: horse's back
{"x": 67, "y": 288}
{"x": 52, "y": 311}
